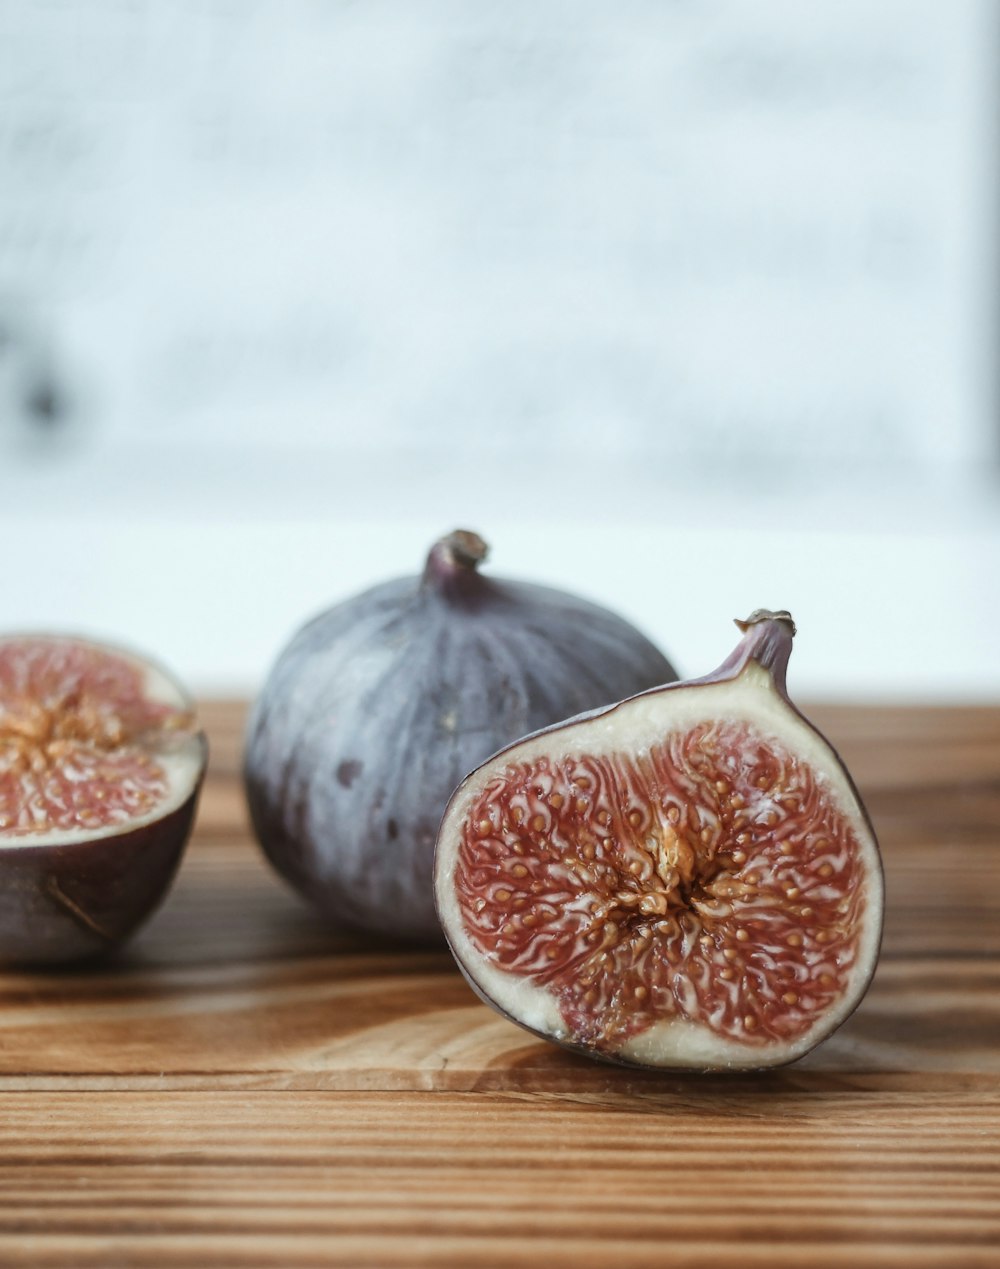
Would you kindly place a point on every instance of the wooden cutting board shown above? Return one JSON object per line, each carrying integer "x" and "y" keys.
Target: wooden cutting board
{"x": 242, "y": 1087}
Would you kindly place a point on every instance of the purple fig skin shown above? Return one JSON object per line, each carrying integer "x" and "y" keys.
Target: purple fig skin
{"x": 380, "y": 706}
{"x": 767, "y": 640}
{"x": 83, "y": 899}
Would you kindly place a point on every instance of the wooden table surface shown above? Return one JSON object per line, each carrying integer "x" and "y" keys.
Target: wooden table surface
{"x": 243, "y": 1088}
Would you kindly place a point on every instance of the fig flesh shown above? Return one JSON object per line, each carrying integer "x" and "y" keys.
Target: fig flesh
{"x": 687, "y": 879}
{"x": 101, "y": 763}
{"x": 379, "y": 707}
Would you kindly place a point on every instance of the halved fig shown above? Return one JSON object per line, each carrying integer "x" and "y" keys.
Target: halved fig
{"x": 687, "y": 879}
{"x": 101, "y": 762}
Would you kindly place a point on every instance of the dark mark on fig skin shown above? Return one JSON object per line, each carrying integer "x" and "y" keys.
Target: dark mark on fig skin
{"x": 348, "y": 772}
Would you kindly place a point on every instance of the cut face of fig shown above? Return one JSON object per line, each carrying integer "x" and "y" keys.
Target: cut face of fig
{"x": 100, "y": 766}
{"x": 686, "y": 879}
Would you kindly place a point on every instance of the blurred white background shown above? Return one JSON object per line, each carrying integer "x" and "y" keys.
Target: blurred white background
{"x": 689, "y": 305}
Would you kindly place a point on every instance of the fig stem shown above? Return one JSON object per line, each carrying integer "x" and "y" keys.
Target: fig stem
{"x": 766, "y": 614}
{"x": 767, "y": 639}
{"x": 455, "y": 556}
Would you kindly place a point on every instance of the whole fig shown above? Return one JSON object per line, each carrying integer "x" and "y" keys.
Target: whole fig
{"x": 378, "y": 708}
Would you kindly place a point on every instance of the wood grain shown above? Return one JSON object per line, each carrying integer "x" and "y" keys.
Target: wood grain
{"x": 243, "y": 1087}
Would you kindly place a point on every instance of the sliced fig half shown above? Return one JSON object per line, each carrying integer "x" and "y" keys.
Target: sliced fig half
{"x": 101, "y": 762}
{"x": 687, "y": 879}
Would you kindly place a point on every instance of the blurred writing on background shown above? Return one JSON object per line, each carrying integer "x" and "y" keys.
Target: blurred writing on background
{"x": 695, "y": 234}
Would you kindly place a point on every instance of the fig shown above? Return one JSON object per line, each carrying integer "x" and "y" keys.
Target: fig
{"x": 101, "y": 762}
{"x": 378, "y": 707}
{"x": 687, "y": 879}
